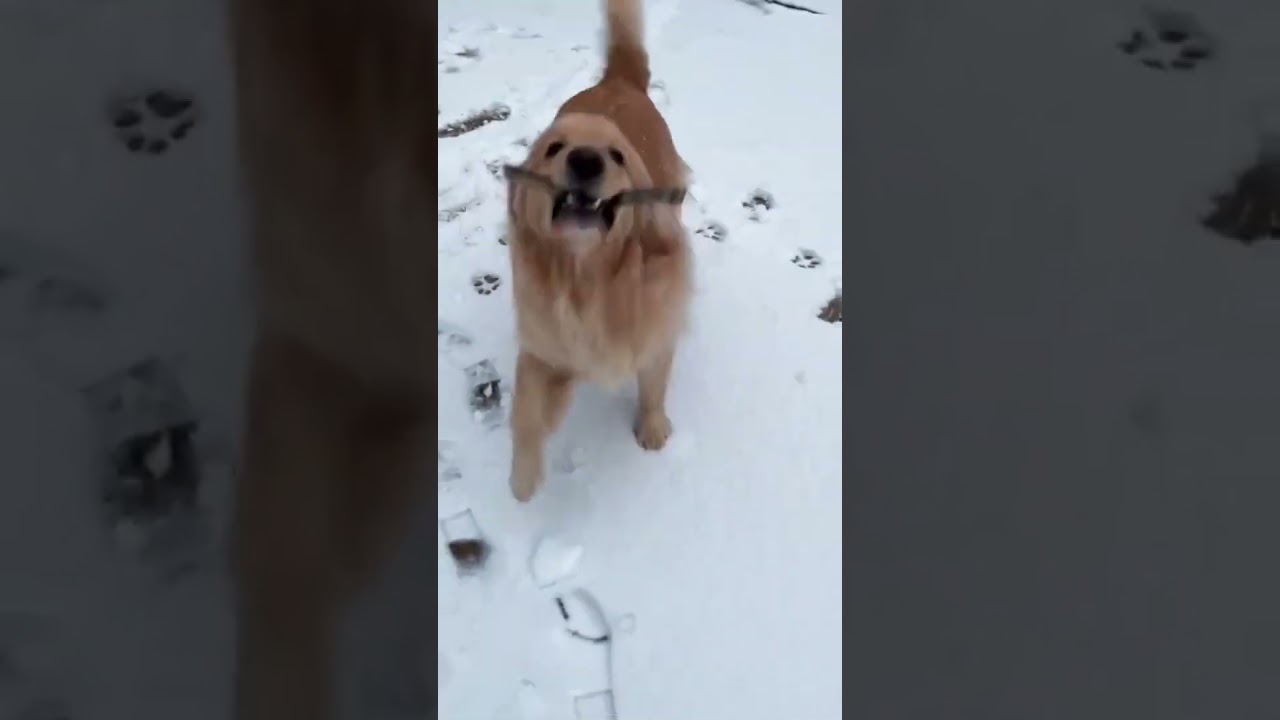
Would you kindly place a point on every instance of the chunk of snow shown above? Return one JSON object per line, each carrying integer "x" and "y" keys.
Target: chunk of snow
{"x": 553, "y": 560}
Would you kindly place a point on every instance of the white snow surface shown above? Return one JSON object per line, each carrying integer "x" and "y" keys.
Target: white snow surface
{"x": 725, "y": 547}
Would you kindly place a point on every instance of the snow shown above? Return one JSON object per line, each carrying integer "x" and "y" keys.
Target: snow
{"x": 553, "y": 560}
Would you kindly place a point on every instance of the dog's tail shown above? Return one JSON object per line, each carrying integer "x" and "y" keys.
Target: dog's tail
{"x": 626, "y": 58}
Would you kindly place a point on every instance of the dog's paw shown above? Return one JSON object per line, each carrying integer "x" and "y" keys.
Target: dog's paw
{"x": 486, "y": 283}
{"x": 807, "y": 259}
{"x": 652, "y": 429}
{"x": 527, "y": 475}
{"x": 1167, "y": 40}
{"x": 154, "y": 121}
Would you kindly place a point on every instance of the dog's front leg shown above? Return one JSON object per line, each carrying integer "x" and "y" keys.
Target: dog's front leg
{"x": 541, "y": 398}
{"x": 652, "y": 426}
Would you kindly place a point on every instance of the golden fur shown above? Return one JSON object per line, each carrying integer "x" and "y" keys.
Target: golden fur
{"x": 595, "y": 305}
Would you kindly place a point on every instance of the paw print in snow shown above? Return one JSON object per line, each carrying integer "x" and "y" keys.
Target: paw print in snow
{"x": 1165, "y": 40}
{"x": 486, "y": 284}
{"x": 713, "y": 230}
{"x": 485, "y": 393}
{"x": 41, "y": 290}
{"x": 806, "y": 259}
{"x": 152, "y": 475}
{"x": 154, "y": 121}
{"x": 758, "y": 204}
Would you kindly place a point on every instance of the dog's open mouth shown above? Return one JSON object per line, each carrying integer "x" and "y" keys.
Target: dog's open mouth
{"x": 583, "y": 210}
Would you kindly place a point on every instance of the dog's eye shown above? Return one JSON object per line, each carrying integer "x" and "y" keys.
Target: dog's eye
{"x": 617, "y": 156}
{"x": 554, "y": 148}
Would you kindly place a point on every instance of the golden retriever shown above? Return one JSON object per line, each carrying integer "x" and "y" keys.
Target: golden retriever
{"x": 601, "y": 290}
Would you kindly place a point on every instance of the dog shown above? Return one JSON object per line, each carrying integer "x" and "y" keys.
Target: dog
{"x": 601, "y": 289}
{"x": 334, "y": 120}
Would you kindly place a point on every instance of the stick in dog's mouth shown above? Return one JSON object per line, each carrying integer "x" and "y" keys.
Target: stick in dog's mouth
{"x": 586, "y": 209}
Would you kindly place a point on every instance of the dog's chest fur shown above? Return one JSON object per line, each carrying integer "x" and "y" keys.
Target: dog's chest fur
{"x": 595, "y": 318}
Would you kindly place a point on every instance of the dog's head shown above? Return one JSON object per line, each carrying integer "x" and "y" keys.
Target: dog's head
{"x": 590, "y": 161}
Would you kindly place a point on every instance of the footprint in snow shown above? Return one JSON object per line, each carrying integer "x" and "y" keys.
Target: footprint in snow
{"x": 806, "y": 259}
{"x": 466, "y": 543}
{"x": 484, "y": 382}
{"x": 41, "y": 289}
{"x": 712, "y": 230}
{"x": 587, "y": 655}
{"x": 152, "y": 122}
{"x": 486, "y": 283}
{"x": 485, "y": 393}
{"x": 758, "y": 204}
{"x": 152, "y": 480}
{"x": 1168, "y": 40}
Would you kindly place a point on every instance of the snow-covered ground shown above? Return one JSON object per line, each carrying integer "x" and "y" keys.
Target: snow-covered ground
{"x": 717, "y": 562}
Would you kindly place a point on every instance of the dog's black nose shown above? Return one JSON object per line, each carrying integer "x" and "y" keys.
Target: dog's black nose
{"x": 585, "y": 164}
